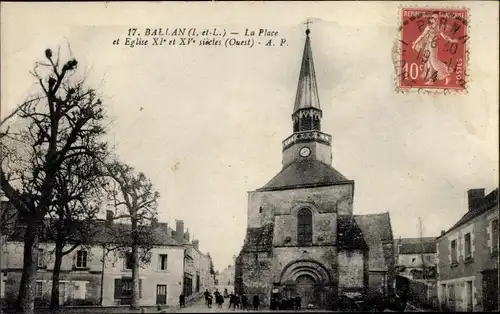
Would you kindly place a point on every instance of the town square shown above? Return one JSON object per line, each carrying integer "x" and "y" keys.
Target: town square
{"x": 158, "y": 158}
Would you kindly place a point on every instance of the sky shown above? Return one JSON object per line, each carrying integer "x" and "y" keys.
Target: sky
{"x": 213, "y": 118}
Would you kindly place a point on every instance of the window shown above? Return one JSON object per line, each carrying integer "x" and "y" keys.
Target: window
{"x": 468, "y": 246}
{"x": 454, "y": 251}
{"x": 39, "y": 289}
{"x": 123, "y": 289}
{"x": 304, "y": 227}
{"x": 41, "y": 258}
{"x": 494, "y": 235}
{"x": 128, "y": 261}
{"x": 260, "y": 209}
{"x": 81, "y": 259}
{"x": 163, "y": 261}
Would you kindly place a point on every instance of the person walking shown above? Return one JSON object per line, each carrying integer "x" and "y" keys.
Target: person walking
{"x": 182, "y": 301}
{"x": 256, "y": 302}
{"x": 209, "y": 300}
{"x": 237, "y": 301}
{"x": 244, "y": 301}
{"x": 205, "y": 294}
{"x": 231, "y": 300}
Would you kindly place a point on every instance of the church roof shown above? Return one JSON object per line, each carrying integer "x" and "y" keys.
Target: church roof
{"x": 304, "y": 173}
{"x": 376, "y": 228}
{"x": 377, "y": 232}
{"x": 349, "y": 234}
{"x": 307, "y": 89}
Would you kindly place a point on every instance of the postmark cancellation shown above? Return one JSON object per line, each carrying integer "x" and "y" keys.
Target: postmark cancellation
{"x": 431, "y": 53}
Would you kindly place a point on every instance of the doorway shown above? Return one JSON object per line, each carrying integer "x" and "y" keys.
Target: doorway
{"x": 490, "y": 290}
{"x": 161, "y": 294}
{"x": 305, "y": 290}
{"x": 62, "y": 293}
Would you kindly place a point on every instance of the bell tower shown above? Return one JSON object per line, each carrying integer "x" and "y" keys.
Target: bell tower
{"x": 307, "y": 140}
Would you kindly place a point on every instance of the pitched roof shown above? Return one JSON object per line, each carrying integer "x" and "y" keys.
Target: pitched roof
{"x": 259, "y": 239}
{"x": 414, "y": 245}
{"x": 377, "y": 232}
{"x": 349, "y": 235}
{"x": 375, "y": 227}
{"x": 116, "y": 232}
{"x": 486, "y": 204}
{"x": 304, "y": 173}
{"x": 307, "y": 89}
{"x": 416, "y": 248}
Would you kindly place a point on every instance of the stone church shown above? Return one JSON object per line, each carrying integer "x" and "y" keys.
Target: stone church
{"x": 302, "y": 237}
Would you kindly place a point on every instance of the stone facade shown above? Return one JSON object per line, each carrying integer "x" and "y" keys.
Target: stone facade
{"x": 302, "y": 237}
{"x": 468, "y": 257}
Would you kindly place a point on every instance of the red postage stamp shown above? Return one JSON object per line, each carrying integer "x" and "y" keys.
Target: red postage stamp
{"x": 433, "y": 49}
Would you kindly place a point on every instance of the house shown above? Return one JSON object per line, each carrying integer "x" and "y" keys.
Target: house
{"x": 197, "y": 275}
{"x": 468, "y": 257}
{"x": 414, "y": 256}
{"x": 91, "y": 275}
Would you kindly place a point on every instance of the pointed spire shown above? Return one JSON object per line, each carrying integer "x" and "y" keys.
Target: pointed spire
{"x": 307, "y": 90}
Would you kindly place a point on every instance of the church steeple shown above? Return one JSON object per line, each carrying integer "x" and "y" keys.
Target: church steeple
{"x": 307, "y": 143}
{"x": 307, "y": 112}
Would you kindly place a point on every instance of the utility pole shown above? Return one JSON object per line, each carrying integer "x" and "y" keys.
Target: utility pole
{"x": 422, "y": 247}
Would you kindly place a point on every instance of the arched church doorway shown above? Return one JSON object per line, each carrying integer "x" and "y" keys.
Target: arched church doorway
{"x": 308, "y": 280}
{"x": 305, "y": 288}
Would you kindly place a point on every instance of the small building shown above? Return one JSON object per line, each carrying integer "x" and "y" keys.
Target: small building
{"x": 468, "y": 257}
{"x": 416, "y": 258}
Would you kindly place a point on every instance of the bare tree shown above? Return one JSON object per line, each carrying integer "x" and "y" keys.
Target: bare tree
{"x": 53, "y": 127}
{"x": 79, "y": 189}
{"x": 135, "y": 203}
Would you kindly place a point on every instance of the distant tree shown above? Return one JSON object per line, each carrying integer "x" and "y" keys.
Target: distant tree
{"x": 51, "y": 128}
{"x": 135, "y": 203}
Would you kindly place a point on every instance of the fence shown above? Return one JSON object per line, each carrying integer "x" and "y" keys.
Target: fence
{"x": 423, "y": 293}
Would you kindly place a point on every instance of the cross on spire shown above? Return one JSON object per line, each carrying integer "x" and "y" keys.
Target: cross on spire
{"x": 307, "y": 26}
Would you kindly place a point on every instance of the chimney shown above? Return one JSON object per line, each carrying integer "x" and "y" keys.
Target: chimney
{"x": 196, "y": 244}
{"x": 186, "y": 235}
{"x": 109, "y": 217}
{"x": 475, "y": 196}
{"x": 179, "y": 230}
{"x": 443, "y": 232}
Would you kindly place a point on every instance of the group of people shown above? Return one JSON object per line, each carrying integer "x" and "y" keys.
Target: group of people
{"x": 286, "y": 303}
{"x": 236, "y": 301}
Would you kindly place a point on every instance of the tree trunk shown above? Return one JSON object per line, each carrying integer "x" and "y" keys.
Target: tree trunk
{"x": 54, "y": 296}
{"x": 26, "y": 298}
{"x": 135, "y": 277}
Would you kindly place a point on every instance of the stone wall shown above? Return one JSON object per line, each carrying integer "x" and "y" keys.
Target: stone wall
{"x": 351, "y": 270}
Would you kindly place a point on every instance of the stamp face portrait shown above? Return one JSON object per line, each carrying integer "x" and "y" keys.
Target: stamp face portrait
{"x": 433, "y": 48}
